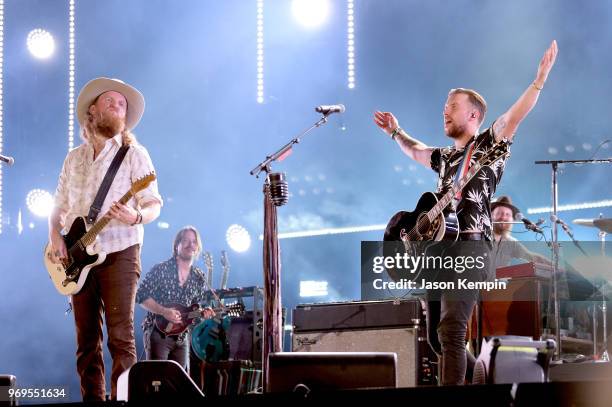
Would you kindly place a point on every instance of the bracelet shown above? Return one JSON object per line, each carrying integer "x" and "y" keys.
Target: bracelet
{"x": 138, "y": 218}
{"x": 536, "y": 86}
{"x": 395, "y": 132}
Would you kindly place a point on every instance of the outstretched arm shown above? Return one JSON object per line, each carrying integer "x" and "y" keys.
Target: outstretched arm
{"x": 507, "y": 124}
{"x": 413, "y": 148}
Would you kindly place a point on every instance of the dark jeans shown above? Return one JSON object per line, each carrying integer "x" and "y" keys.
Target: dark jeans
{"x": 447, "y": 322}
{"x": 109, "y": 293}
{"x": 164, "y": 347}
{"x": 449, "y": 312}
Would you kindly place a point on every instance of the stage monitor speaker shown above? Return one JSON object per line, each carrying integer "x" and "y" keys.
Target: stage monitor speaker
{"x": 513, "y": 359}
{"x": 321, "y": 371}
{"x": 155, "y": 380}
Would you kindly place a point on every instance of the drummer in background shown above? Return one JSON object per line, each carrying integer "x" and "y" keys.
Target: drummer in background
{"x": 174, "y": 281}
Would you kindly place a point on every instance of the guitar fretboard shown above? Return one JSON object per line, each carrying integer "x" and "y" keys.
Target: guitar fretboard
{"x": 89, "y": 237}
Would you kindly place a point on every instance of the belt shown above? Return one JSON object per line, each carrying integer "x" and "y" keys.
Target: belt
{"x": 471, "y": 236}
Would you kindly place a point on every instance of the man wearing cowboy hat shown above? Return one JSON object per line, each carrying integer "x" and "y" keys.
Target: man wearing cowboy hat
{"x": 507, "y": 247}
{"x": 107, "y": 110}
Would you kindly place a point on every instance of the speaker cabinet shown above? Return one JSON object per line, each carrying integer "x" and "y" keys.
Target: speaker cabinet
{"x": 369, "y": 326}
{"x": 402, "y": 341}
{"x": 155, "y": 380}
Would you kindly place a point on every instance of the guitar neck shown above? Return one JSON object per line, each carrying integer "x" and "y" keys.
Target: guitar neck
{"x": 90, "y": 237}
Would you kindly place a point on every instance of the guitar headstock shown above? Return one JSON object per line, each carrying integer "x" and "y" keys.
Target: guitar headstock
{"x": 143, "y": 182}
{"x": 208, "y": 260}
{"x": 498, "y": 151}
{"x": 224, "y": 260}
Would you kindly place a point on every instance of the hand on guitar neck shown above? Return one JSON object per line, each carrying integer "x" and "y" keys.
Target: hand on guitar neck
{"x": 174, "y": 315}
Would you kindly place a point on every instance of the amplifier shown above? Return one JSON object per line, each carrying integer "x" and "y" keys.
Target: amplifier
{"x": 335, "y": 316}
{"x": 370, "y": 326}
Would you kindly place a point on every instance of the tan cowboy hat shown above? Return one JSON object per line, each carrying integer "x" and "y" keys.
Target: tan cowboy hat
{"x": 96, "y": 87}
{"x": 505, "y": 201}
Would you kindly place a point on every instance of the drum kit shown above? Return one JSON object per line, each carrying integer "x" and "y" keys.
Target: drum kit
{"x": 605, "y": 226}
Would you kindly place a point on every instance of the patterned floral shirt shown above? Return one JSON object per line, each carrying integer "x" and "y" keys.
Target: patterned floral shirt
{"x": 161, "y": 284}
{"x": 474, "y": 207}
{"x": 80, "y": 180}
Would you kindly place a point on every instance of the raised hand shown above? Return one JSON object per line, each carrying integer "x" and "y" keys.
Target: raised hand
{"x": 546, "y": 64}
{"x": 386, "y": 121}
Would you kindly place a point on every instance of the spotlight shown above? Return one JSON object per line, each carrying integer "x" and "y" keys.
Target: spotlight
{"x": 40, "y": 43}
{"x": 238, "y": 238}
{"x": 40, "y": 202}
{"x": 310, "y": 13}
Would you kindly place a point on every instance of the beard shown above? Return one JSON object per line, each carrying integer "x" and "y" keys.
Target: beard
{"x": 455, "y": 131}
{"x": 108, "y": 125}
{"x": 501, "y": 229}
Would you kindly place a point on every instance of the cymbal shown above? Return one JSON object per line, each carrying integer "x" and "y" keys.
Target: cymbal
{"x": 601, "y": 224}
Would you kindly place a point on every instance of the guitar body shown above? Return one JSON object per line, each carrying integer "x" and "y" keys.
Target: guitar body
{"x": 209, "y": 339}
{"x": 414, "y": 226}
{"x": 69, "y": 277}
{"x": 416, "y": 235}
{"x": 188, "y": 316}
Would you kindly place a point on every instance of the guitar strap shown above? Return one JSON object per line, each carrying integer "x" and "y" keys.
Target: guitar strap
{"x": 96, "y": 206}
{"x": 464, "y": 166}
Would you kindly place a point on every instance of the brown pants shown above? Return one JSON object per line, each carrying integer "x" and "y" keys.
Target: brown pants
{"x": 110, "y": 291}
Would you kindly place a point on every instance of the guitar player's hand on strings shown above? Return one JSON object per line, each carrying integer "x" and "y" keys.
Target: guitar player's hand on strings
{"x": 172, "y": 315}
{"x": 208, "y": 313}
{"x": 58, "y": 248}
{"x": 123, "y": 213}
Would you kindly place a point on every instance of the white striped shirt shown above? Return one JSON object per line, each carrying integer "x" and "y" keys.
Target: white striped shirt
{"x": 80, "y": 180}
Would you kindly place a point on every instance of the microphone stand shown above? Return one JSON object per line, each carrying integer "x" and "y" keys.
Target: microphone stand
{"x": 555, "y": 240}
{"x": 275, "y": 194}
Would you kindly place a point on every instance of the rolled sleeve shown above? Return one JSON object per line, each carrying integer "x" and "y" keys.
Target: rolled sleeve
{"x": 141, "y": 167}
{"x": 61, "y": 192}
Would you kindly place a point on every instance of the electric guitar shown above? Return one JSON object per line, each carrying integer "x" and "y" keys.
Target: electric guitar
{"x": 70, "y": 275}
{"x": 190, "y": 316}
{"x": 433, "y": 219}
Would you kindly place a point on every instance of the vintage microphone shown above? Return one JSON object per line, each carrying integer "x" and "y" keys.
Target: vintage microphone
{"x": 279, "y": 189}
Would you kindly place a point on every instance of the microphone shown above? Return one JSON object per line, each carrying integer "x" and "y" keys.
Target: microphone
{"x": 279, "y": 190}
{"x": 556, "y": 219}
{"x": 10, "y": 160}
{"x": 329, "y": 109}
{"x": 534, "y": 227}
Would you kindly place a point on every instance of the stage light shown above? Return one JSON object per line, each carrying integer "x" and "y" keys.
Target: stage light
{"x": 40, "y": 202}
{"x": 350, "y": 44}
{"x": 330, "y": 231}
{"x": 40, "y": 43}
{"x": 163, "y": 225}
{"x": 310, "y": 13}
{"x": 571, "y": 207}
{"x": 71, "y": 70}
{"x": 313, "y": 288}
{"x": 238, "y": 238}
{"x": 260, "y": 52}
